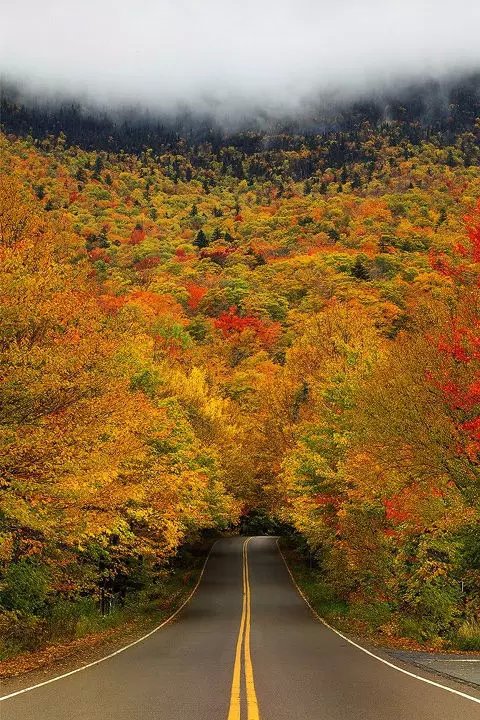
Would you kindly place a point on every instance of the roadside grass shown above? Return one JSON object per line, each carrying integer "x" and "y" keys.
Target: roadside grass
{"x": 468, "y": 636}
{"x": 70, "y": 621}
{"x": 319, "y": 594}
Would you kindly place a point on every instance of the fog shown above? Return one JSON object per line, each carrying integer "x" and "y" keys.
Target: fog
{"x": 232, "y": 56}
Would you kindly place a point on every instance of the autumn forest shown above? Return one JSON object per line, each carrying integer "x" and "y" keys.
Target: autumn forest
{"x": 272, "y": 327}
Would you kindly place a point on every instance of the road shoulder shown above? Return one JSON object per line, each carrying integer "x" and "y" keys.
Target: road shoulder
{"x": 458, "y": 670}
{"x": 38, "y": 667}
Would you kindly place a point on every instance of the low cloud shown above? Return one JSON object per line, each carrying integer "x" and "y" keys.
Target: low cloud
{"x": 232, "y": 56}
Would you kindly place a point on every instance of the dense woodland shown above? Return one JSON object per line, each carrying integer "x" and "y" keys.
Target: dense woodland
{"x": 204, "y": 327}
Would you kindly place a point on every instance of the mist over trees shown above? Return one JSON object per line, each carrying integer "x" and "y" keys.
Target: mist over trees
{"x": 442, "y": 107}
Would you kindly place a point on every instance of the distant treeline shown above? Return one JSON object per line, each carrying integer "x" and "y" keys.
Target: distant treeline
{"x": 415, "y": 113}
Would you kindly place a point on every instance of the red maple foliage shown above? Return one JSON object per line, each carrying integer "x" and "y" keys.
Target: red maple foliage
{"x": 231, "y": 323}
{"x": 217, "y": 255}
{"x": 327, "y": 500}
{"x": 182, "y": 255}
{"x": 137, "y": 235}
{"x": 404, "y": 506}
{"x": 98, "y": 254}
{"x": 195, "y": 295}
{"x": 394, "y": 510}
{"x": 462, "y": 342}
{"x": 147, "y": 263}
{"x": 111, "y": 304}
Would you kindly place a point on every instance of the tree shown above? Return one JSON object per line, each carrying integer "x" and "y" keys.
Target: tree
{"x": 86, "y": 431}
{"x": 359, "y": 269}
{"x": 97, "y": 167}
{"x": 201, "y": 240}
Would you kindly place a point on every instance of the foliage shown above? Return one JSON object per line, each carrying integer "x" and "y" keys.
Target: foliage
{"x": 195, "y": 335}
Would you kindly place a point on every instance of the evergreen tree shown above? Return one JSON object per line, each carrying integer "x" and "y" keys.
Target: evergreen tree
{"x": 201, "y": 241}
{"x": 359, "y": 269}
{"x": 451, "y": 162}
{"x": 97, "y": 168}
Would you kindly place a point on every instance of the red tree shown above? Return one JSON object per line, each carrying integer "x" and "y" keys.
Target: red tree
{"x": 461, "y": 343}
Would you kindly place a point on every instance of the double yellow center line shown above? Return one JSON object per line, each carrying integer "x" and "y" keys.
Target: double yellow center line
{"x": 243, "y": 640}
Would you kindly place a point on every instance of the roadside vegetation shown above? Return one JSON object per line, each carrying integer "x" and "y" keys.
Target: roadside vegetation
{"x": 57, "y": 630}
{"x": 384, "y": 623}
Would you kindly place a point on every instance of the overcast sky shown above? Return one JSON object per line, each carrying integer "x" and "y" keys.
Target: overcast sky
{"x": 271, "y": 54}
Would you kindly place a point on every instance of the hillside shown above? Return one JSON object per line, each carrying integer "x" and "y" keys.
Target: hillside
{"x": 285, "y": 323}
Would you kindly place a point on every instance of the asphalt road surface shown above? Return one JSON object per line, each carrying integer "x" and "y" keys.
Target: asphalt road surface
{"x": 246, "y": 647}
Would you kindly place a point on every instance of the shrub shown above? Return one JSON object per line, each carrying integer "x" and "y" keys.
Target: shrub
{"x": 64, "y": 617}
{"x": 411, "y": 627}
{"x": 468, "y": 636}
{"x": 19, "y": 632}
{"x": 374, "y": 614}
{"x": 436, "y": 604}
{"x": 25, "y": 587}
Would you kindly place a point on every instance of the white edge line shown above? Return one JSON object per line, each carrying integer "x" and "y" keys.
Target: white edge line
{"x": 121, "y": 650}
{"x": 360, "y": 647}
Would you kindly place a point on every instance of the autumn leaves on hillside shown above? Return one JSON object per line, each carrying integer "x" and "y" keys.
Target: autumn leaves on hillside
{"x": 177, "y": 352}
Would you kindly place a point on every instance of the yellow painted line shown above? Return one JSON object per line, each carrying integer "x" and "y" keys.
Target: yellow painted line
{"x": 235, "y": 697}
{"x": 252, "y": 704}
{"x": 243, "y": 639}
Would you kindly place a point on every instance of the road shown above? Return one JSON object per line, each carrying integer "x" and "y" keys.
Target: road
{"x": 246, "y": 647}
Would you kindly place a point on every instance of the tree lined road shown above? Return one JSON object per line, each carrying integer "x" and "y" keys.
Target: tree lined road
{"x": 246, "y": 647}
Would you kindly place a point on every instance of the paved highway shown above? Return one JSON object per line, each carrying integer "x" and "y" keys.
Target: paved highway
{"x": 246, "y": 647}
